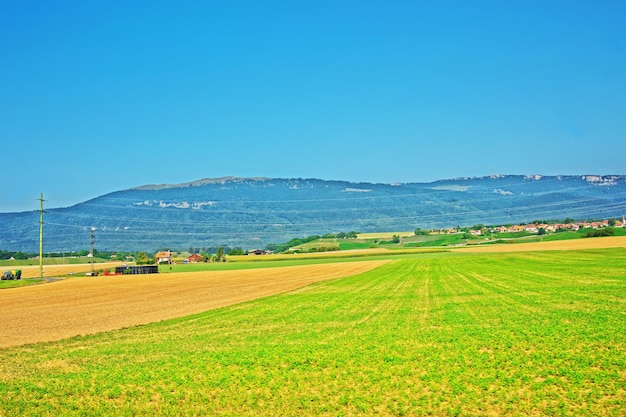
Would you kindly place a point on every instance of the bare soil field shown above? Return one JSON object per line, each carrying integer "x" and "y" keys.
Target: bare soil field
{"x": 572, "y": 244}
{"x": 88, "y": 305}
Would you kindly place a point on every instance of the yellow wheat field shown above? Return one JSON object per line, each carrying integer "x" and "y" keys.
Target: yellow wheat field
{"x": 572, "y": 244}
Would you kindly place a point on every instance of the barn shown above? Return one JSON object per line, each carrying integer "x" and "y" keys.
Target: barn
{"x": 192, "y": 259}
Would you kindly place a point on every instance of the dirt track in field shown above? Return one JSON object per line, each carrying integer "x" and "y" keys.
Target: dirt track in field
{"x": 81, "y": 306}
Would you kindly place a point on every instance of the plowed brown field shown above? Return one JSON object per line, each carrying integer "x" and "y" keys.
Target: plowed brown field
{"x": 80, "y": 306}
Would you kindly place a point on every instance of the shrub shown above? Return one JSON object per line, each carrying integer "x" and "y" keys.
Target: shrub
{"x": 606, "y": 231}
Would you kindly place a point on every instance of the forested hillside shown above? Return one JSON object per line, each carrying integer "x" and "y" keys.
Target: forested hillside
{"x": 253, "y": 212}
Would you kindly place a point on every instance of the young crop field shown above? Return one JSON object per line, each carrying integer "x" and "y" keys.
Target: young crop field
{"x": 525, "y": 333}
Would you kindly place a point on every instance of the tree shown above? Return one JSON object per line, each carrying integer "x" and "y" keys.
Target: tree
{"x": 142, "y": 258}
{"x": 219, "y": 256}
{"x": 606, "y": 231}
{"x": 237, "y": 251}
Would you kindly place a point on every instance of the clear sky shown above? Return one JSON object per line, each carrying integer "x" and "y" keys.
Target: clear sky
{"x": 100, "y": 96}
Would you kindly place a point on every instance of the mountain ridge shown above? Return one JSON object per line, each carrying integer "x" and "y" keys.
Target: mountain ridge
{"x": 592, "y": 178}
{"x": 198, "y": 183}
{"x": 252, "y": 212}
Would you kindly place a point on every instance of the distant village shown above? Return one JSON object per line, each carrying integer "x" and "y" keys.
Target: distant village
{"x": 547, "y": 227}
{"x": 477, "y": 230}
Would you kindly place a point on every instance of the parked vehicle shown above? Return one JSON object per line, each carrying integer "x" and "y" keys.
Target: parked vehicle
{"x": 12, "y": 275}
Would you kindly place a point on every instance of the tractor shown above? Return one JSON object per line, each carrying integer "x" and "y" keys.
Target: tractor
{"x": 11, "y": 275}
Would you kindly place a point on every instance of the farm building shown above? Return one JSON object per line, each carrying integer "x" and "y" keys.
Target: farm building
{"x": 258, "y": 252}
{"x": 135, "y": 270}
{"x": 164, "y": 257}
{"x": 193, "y": 259}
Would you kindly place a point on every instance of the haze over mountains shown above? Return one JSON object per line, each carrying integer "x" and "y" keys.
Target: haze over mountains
{"x": 253, "y": 212}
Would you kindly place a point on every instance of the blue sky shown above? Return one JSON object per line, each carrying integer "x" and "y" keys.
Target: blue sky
{"x": 99, "y": 96}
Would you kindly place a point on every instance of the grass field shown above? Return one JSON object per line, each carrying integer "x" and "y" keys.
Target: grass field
{"x": 528, "y": 333}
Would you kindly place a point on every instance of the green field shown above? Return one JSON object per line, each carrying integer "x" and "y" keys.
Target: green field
{"x": 20, "y": 283}
{"x": 537, "y": 333}
{"x": 438, "y": 240}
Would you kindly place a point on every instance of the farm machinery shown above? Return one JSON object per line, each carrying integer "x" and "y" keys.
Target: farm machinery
{"x": 11, "y": 275}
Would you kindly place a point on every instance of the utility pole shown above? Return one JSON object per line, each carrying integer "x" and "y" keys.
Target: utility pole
{"x": 41, "y": 200}
{"x": 92, "y": 238}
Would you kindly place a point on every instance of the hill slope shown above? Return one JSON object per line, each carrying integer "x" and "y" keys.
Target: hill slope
{"x": 252, "y": 212}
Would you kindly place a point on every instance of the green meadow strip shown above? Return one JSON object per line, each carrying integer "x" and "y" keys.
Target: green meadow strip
{"x": 20, "y": 283}
{"x": 540, "y": 333}
{"x": 256, "y": 262}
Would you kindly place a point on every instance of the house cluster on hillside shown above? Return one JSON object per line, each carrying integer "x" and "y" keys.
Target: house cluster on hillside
{"x": 552, "y": 228}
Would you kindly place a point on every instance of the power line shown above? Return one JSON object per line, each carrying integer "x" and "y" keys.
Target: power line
{"x": 41, "y": 200}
